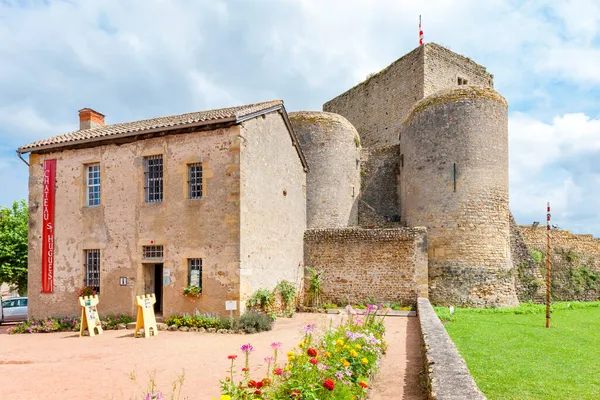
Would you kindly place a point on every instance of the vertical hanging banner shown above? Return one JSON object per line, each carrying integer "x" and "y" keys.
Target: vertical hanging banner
{"x": 48, "y": 227}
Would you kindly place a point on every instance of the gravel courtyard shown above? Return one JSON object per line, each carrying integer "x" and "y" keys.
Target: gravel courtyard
{"x": 65, "y": 366}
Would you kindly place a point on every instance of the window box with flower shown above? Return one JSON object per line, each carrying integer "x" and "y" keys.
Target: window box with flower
{"x": 192, "y": 292}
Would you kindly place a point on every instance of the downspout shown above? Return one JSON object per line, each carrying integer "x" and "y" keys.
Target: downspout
{"x": 22, "y": 159}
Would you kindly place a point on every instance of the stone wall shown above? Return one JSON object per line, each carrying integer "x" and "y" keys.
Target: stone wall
{"x": 377, "y": 106}
{"x": 273, "y": 206}
{"x": 379, "y": 203}
{"x": 388, "y": 265}
{"x": 529, "y": 282}
{"x": 206, "y": 228}
{"x": 575, "y": 263}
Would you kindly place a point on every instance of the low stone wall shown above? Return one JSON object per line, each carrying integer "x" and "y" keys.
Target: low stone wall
{"x": 384, "y": 265}
{"x": 448, "y": 377}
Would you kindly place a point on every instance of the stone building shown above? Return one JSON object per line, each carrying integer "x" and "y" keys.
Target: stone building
{"x": 397, "y": 189}
{"x": 215, "y": 199}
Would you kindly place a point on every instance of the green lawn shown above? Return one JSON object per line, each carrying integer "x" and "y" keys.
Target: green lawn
{"x": 512, "y": 355}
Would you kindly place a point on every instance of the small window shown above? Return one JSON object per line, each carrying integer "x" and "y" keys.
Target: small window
{"x": 462, "y": 81}
{"x": 153, "y": 252}
{"x": 195, "y": 180}
{"x": 195, "y": 272}
{"x": 92, "y": 180}
{"x": 153, "y": 171}
{"x": 92, "y": 269}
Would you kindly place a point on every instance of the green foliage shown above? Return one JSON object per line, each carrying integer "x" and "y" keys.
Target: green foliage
{"x": 512, "y": 355}
{"x": 356, "y": 141}
{"x": 288, "y": 292}
{"x": 315, "y": 278}
{"x": 192, "y": 292}
{"x": 327, "y": 306}
{"x": 254, "y": 321}
{"x": 537, "y": 256}
{"x": 85, "y": 291}
{"x": 262, "y": 299}
{"x": 582, "y": 279}
{"x": 66, "y": 324}
{"x": 13, "y": 245}
{"x": 197, "y": 320}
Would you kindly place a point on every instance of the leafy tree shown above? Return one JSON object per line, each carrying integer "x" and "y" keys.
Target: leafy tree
{"x": 13, "y": 245}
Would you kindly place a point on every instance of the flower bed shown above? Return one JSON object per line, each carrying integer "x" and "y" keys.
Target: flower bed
{"x": 66, "y": 324}
{"x": 338, "y": 364}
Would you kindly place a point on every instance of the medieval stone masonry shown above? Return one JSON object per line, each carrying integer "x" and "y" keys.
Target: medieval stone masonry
{"x": 398, "y": 189}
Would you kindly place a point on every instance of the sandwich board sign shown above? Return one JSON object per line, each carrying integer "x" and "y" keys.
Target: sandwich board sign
{"x": 90, "y": 320}
{"x": 145, "y": 315}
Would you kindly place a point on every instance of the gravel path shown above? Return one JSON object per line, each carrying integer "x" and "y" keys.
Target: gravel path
{"x": 65, "y": 366}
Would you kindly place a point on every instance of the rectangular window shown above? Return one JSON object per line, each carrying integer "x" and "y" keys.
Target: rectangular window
{"x": 153, "y": 252}
{"x": 195, "y": 180}
{"x": 92, "y": 269}
{"x": 153, "y": 170}
{"x": 195, "y": 272}
{"x": 92, "y": 181}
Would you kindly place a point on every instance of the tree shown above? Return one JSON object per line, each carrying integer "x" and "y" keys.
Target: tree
{"x": 13, "y": 245}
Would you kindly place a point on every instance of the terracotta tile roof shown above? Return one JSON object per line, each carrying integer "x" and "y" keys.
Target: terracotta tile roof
{"x": 234, "y": 114}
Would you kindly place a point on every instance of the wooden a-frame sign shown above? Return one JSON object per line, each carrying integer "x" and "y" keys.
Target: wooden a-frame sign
{"x": 145, "y": 315}
{"x": 90, "y": 320}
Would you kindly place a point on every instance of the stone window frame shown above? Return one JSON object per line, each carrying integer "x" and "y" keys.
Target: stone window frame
{"x": 195, "y": 264}
{"x": 153, "y": 252}
{"x": 91, "y": 273}
{"x": 154, "y": 179}
{"x": 95, "y": 200}
{"x": 195, "y": 180}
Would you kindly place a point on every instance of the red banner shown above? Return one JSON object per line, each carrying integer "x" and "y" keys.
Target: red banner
{"x": 48, "y": 227}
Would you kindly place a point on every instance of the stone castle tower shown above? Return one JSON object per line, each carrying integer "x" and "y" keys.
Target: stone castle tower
{"x": 424, "y": 142}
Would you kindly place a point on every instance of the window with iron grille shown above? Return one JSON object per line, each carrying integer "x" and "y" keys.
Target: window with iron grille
{"x": 195, "y": 272}
{"x": 153, "y": 252}
{"x": 153, "y": 170}
{"x": 195, "y": 180}
{"x": 92, "y": 183}
{"x": 92, "y": 269}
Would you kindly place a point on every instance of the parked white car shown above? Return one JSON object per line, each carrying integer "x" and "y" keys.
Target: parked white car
{"x": 13, "y": 310}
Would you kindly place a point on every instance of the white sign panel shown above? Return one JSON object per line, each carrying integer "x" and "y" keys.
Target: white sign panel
{"x": 230, "y": 305}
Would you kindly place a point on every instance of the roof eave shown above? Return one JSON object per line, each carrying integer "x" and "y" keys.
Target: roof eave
{"x": 64, "y": 145}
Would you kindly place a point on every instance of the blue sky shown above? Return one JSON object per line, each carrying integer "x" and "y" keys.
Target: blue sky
{"x": 146, "y": 58}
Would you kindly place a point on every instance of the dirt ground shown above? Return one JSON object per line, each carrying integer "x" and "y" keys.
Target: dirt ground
{"x": 65, "y": 366}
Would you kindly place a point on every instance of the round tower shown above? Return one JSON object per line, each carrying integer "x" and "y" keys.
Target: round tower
{"x": 454, "y": 181}
{"x": 331, "y": 146}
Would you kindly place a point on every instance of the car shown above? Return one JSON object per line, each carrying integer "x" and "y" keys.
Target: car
{"x": 13, "y": 310}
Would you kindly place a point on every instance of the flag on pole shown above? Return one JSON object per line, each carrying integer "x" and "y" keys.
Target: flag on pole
{"x": 420, "y": 33}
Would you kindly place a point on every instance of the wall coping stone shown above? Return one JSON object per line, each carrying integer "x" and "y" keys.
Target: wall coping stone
{"x": 448, "y": 377}
{"x": 361, "y": 234}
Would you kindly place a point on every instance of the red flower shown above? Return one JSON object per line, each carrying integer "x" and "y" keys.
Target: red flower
{"x": 252, "y": 384}
{"x": 296, "y": 394}
{"x": 259, "y": 384}
{"x": 232, "y": 357}
{"x": 328, "y": 384}
{"x": 311, "y": 352}
{"x": 363, "y": 384}
{"x": 278, "y": 371}
{"x": 245, "y": 369}
{"x": 257, "y": 392}
{"x": 313, "y": 361}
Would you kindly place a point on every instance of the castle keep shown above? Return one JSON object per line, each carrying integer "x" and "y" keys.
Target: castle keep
{"x": 397, "y": 189}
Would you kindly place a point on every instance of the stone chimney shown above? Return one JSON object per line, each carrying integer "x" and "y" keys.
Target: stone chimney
{"x": 89, "y": 118}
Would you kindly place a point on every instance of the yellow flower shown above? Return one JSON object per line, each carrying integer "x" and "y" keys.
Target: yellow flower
{"x": 357, "y": 346}
{"x": 346, "y": 363}
{"x": 353, "y": 353}
{"x": 301, "y": 344}
{"x": 337, "y": 350}
{"x": 346, "y": 347}
{"x": 290, "y": 353}
{"x": 327, "y": 354}
{"x": 339, "y": 342}
{"x": 225, "y": 397}
{"x": 364, "y": 361}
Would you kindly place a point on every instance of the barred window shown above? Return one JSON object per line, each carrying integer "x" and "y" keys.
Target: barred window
{"x": 155, "y": 252}
{"x": 92, "y": 269}
{"x": 92, "y": 183}
{"x": 195, "y": 272}
{"x": 195, "y": 180}
{"x": 153, "y": 170}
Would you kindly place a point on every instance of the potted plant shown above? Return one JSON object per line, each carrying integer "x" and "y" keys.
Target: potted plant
{"x": 192, "y": 292}
{"x": 85, "y": 291}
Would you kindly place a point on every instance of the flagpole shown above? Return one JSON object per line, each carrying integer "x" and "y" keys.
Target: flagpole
{"x": 420, "y": 33}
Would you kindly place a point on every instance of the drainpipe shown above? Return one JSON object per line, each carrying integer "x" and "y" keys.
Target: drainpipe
{"x": 22, "y": 159}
